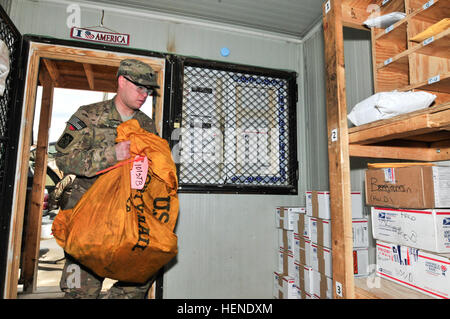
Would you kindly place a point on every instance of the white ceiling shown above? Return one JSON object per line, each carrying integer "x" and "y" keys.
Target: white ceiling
{"x": 293, "y": 18}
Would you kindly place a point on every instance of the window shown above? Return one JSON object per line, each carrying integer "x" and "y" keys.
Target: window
{"x": 236, "y": 129}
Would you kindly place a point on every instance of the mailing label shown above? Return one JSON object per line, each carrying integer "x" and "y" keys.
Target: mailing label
{"x": 441, "y": 183}
{"x": 434, "y": 79}
{"x": 389, "y": 175}
{"x": 389, "y": 29}
{"x": 428, "y": 4}
{"x": 139, "y": 172}
{"x": 388, "y": 61}
{"x": 428, "y": 41}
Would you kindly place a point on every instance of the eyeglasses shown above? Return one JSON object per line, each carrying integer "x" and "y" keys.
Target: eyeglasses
{"x": 141, "y": 89}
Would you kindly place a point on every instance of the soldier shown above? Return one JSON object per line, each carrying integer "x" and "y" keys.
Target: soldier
{"x": 87, "y": 146}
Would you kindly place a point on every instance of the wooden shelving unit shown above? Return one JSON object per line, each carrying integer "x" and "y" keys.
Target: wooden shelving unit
{"x": 424, "y": 135}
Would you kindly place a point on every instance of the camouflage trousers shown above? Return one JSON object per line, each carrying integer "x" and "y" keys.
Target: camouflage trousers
{"x": 78, "y": 282}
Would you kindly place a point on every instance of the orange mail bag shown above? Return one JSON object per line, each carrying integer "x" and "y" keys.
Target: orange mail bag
{"x": 119, "y": 232}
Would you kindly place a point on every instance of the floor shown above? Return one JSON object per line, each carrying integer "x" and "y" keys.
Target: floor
{"x": 50, "y": 265}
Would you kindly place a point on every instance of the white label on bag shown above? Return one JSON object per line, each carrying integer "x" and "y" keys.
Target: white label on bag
{"x": 139, "y": 172}
{"x": 428, "y": 41}
{"x": 434, "y": 79}
{"x": 428, "y": 4}
{"x": 388, "y": 61}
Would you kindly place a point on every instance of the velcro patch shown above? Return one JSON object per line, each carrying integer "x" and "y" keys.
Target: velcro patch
{"x": 76, "y": 123}
{"x": 65, "y": 140}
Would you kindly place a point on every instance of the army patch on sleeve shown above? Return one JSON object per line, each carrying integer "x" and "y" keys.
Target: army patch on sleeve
{"x": 65, "y": 140}
{"x": 76, "y": 123}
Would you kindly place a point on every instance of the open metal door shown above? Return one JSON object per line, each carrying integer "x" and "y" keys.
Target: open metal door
{"x": 10, "y": 118}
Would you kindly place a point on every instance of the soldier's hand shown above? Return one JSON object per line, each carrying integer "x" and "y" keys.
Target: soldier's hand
{"x": 122, "y": 150}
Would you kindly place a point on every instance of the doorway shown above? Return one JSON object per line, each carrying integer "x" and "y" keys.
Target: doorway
{"x": 53, "y": 67}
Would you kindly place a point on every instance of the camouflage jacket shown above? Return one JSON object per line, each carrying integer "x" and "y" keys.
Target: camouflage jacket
{"x": 87, "y": 144}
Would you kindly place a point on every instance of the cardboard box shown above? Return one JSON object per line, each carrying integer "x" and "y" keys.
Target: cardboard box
{"x": 288, "y": 290}
{"x": 301, "y": 226}
{"x": 277, "y": 284}
{"x": 360, "y": 232}
{"x": 417, "y": 269}
{"x": 409, "y": 187}
{"x": 427, "y": 229}
{"x": 286, "y": 239}
{"x": 280, "y": 263}
{"x": 286, "y": 216}
{"x": 360, "y": 262}
{"x": 322, "y": 286}
{"x": 320, "y": 230}
{"x": 302, "y": 250}
{"x": 321, "y": 258}
{"x": 303, "y": 277}
{"x": 318, "y": 204}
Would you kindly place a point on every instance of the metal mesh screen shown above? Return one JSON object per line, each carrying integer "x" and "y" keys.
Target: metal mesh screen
{"x": 235, "y": 130}
{"x": 11, "y": 38}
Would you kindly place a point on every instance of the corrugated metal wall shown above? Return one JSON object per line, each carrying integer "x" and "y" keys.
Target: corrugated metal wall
{"x": 227, "y": 243}
{"x": 359, "y": 85}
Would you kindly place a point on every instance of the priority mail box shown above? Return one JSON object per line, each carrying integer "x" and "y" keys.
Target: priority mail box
{"x": 304, "y": 295}
{"x": 408, "y": 187}
{"x": 303, "y": 277}
{"x": 360, "y": 262}
{"x": 414, "y": 268}
{"x": 318, "y": 204}
{"x": 286, "y": 239}
{"x": 277, "y": 283}
{"x": 322, "y": 286}
{"x": 286, "y": 216}
{"x": 360, "y": 232}
{"x": 301, "y": 226}
{"x": 427, "y": 229}
{"x": 322, "y": 260}
{"x": 285, "y": 262}
{"x": 280, "y": 263}
{"x": 320, "y": 230}
{"x": 302, "y": 250}
{"x": 288, "y": 290}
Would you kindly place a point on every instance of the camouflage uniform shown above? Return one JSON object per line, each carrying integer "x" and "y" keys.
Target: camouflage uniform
{"x": 85, "y": 147}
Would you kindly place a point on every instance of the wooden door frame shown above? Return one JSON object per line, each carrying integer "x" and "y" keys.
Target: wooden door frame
{"x": 55, "y": 51}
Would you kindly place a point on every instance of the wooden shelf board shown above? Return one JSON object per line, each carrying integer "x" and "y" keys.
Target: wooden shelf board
{"x": 384, "y": 289}
{"x": 440, "y": 47}
{"x": 406, "y": 125}
{"x": 436, "y": 12}
{"x": 443, "y": 85}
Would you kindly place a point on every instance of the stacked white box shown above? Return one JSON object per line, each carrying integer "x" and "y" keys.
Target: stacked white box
{"x": 289, "y": 290}
{"x": 277, "y": 284}
{"x": 420, "y": 270}
{"x": 360, "y": 262}
{"x": 360, "y": 232}
{"x": 287, "y": 221}
{"x": 320, "y": 232}
{"x": 427, "y": 229}
{"x": 322, "y": 286}
{"x": 322, "y": 260}
{"x": 318, "y": 204}
{"x": 286, "y": 217}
